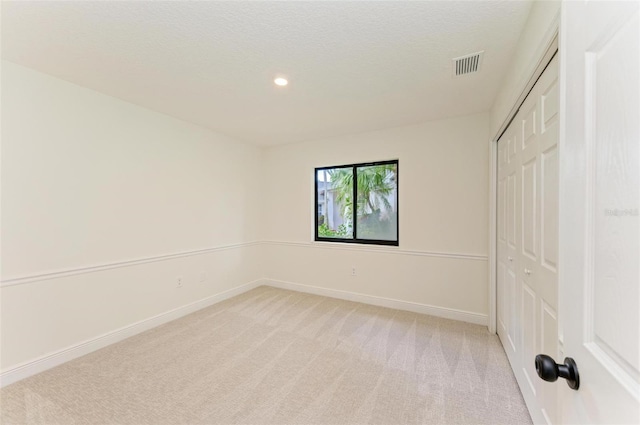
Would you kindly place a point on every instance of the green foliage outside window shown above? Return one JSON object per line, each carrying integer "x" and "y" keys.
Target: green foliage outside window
{"x": 375, "y": 201}
{"x": 324, "y": 231}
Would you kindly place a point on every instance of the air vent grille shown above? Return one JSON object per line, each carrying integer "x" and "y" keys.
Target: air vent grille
{"x": 467, "y": 64}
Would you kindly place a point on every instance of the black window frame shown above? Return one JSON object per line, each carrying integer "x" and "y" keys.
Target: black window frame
{"x": 354, "y": 224}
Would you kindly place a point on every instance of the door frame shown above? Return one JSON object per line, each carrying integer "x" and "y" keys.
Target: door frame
{"x": 549, "y": 45}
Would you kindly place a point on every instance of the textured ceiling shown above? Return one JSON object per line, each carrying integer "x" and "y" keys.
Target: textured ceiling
{"x": 352, "y": 66}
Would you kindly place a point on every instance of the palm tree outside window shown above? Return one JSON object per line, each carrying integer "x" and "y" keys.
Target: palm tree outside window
{"x": 372, "y": 218}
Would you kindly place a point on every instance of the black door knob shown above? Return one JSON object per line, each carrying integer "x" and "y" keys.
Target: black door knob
{"x": 549, "y": 370}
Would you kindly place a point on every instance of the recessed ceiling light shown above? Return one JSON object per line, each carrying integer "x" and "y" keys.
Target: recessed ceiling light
{"x": 280, "y": 81}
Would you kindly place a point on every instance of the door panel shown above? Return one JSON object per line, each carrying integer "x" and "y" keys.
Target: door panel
{"x": 502, "y": 238}
{"x": 600, "y": 220}
{"x": 502, "y": 210}
{"x": 513, "y": 313}
{"x": 549, "y": 209}
{"x": 528, "y": 124}
{"x": 529, "y": 287}
{"x": 511, "y": 210}
{"x": 549, "y": 345}
{"x": 549, "y": 107}
{"x": 512, "y": 147}
{"x": 502, "y": 321}
{"x": 529, "y": 334}
{"x": 615, "y": 239}
{"x": 507, "y": 217}
{"x": 549, "y": 329}
{"x": 529, "y": 209}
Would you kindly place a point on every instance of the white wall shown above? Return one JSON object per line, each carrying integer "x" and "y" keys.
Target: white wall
{"x": 105, "y": 203}
{"x": 541, "y": 23}
{"x": 89, "y": 181}
{"x": 443, "y": 213}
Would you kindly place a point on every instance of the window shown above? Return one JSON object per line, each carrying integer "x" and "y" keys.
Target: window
{"x": 373, "y": 218}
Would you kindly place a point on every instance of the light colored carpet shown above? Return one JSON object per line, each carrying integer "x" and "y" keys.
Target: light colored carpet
{"x": 271, "y": 356}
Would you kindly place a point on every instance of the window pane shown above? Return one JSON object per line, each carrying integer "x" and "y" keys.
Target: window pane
{"x": 377, "y": 203}
{"x": 335, "y": 206}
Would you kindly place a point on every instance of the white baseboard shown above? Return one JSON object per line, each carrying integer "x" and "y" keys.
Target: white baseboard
{"x": 57, "y": 358}
{"x": 49, "y": 361}
{"x": 447, "y": 313}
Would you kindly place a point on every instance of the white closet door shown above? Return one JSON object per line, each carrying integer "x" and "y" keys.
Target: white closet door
{"x": 507, "y": 242}
{"x": 528, "y": 241}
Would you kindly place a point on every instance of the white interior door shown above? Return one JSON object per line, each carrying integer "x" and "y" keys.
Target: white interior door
{"x": 599, "y": 218}
{"x": 528, "y": 240}
{"x": 507, "y": 239}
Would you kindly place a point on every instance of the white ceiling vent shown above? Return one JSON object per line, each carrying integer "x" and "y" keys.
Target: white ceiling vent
{"x": 467, "y": 64}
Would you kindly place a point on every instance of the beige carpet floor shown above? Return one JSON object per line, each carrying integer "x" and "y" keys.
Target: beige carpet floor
{"x": 271, "y": 356}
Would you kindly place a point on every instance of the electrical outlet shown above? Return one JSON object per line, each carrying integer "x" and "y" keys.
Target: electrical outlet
{"x": 353, "y": 271}
{"x": 179, "y": 282}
